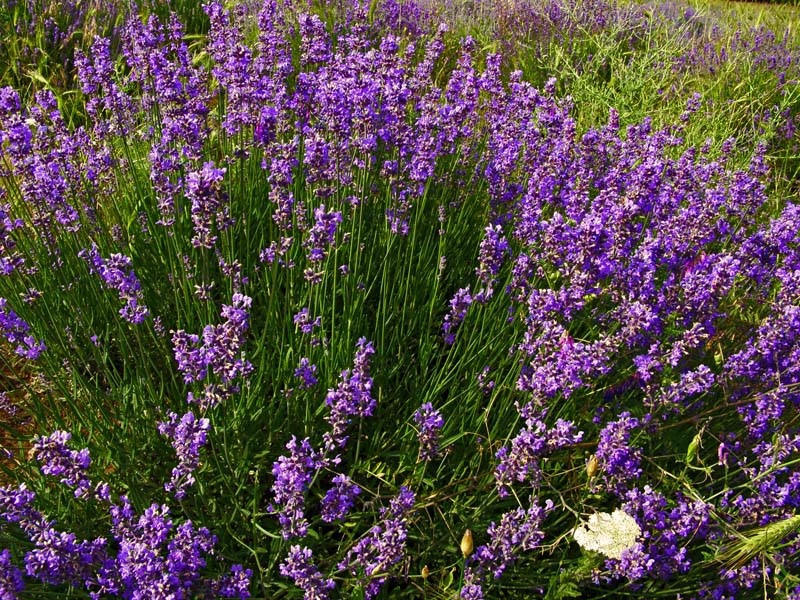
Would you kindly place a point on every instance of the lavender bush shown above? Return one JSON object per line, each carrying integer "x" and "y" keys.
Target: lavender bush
{"x": 318, "y": 288}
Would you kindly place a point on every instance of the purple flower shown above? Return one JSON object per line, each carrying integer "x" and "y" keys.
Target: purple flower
{"x": 306, "y": 372}
{"x": 723, "y": 454}
{"x": 383, "y": 546}
{"x": 11, "y": 582}
{"x": 519, "y": 531}
{"x": 556, "y": 363}
{"x": 493, "y": 251}
{"x": 203, "y": 291}
{"x": 10, "y": 259}
{"x": 16, "y": 331}
{"x": 619, "y": 461}
{"x": 117, "y": 275}
{"x": 204, "y": 191}
{"x": 300, "y": 568}
{"x": 59, "y": 461}
{"x": 16, "y": 505}
{"x": 160, "y": 62}
{"x": 233, "y": 68}
{"x": 340, "y": 499}
{"x": 315, "y": 43}
{"x": 60, "y": 557}
{"x": 322, "y": 234}
{"x": 220, "y": 352}
{"x": 351, "y": 398}
{"x": 232, "y": 585}
{"x": 634, "y": 563}
{"x": 485, "y": 384}
{"x": 522, "y": 461}
{"x": 459, "y": 304}
{"x": 303, "y": 320}
{"x": 8, "y": 406}
{"x": 110, "y": 108}
{"x": 186, "y": 436}
{"x": 153, "y": 557}
{"x": 275, "y": 250}
{"x": 293, "y": 474}
{"x": 662, "y": 551}
{"x": 223, "y": 343}
{"x": 9, "y": 101}
{"x": 471, "y": 588}
{"x": 57, "y": 557}
{"x": 159, "y": 559}
{"x": 190, "y": 356}
{"x": 677, "y": 395}
{"x": 430, "y": 422}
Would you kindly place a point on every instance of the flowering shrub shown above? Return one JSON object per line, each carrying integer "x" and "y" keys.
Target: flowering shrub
{"x": 305, "y": 298}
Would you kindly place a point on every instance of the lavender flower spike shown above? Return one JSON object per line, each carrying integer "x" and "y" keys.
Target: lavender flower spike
{"x": 219, "y": 350}
{"x": 17, "y": 331}
{"x": 293, "y": 474}
{"x": 383, "y": 547}
{"x": 11, "y": 582}
{"x": 187, "y": 436}
{"x": 204, "y": 191}
{"x": 299, "y": 567}
{"x": 117, "y": 274}
{"x": 58, "y": 460}
{"x": 430, "y": 423}
{"x": 339, "y": 499}
{"x": 353, "y": 397}
{"x": 522, "y": 460}
{"x": 307, "y": 373}
{"x": 322, "y": 234}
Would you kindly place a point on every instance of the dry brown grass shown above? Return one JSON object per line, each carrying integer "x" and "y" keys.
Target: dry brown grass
{"x": 22, "y": 386}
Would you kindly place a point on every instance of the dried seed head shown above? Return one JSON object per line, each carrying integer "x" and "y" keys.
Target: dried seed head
{"x": 466, "y": 543}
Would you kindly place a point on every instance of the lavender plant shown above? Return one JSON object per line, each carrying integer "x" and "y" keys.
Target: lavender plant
{"x": 308, "y": 297}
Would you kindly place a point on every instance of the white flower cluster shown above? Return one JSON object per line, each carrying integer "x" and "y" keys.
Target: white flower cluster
{"x": 608, "y": 534}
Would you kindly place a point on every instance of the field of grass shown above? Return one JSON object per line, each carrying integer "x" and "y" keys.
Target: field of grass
{"x": 399, "y": 299}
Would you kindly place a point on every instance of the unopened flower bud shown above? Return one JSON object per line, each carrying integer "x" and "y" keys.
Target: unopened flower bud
{"x": 592, "y": 466}
{"x": 426, "y": 572}
{"x": 466, "y": 543}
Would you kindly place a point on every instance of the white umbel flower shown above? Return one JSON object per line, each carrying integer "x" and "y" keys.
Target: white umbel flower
{"x": 608, "y": 534}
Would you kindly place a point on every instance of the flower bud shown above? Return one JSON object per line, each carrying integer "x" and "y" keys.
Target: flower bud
{"x": 466, "y": 543}
{"x": 592, "y": 466}
{"x": 426, "y": 572}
